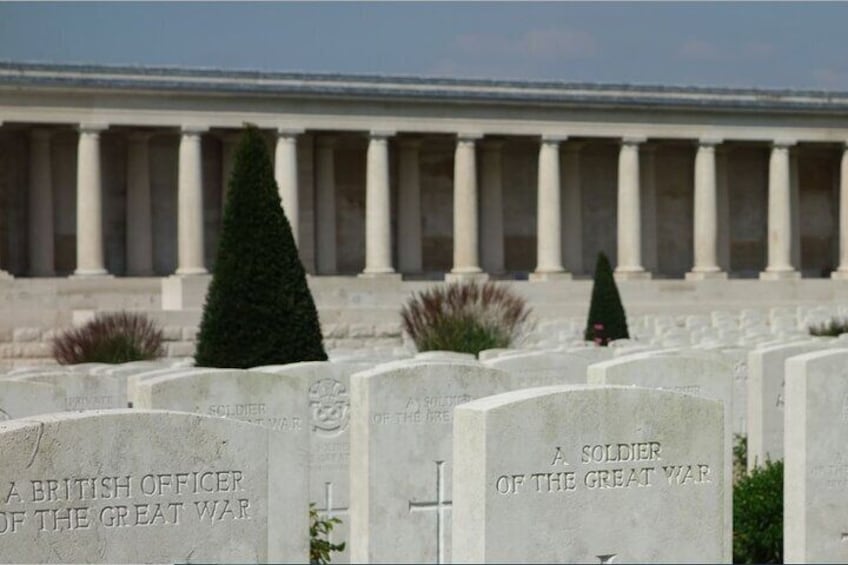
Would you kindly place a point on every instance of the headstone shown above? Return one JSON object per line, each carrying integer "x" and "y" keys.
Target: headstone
{"x": 444, "y": 356}
{"x": 400, "y": 457}
{"x": 85, "y": 391}
{"x": 815, "y": 493}
{"x": 590, "y": 474}
{"x": 766, "y": 378}
{"x": 699, "y": 374}
{"x": 123, "y": 486}
{"x": 542, "y": 368}
{"x": 327, "y": 399}
{"x": 135, "y": 379}
{"x": 19, "y": 399}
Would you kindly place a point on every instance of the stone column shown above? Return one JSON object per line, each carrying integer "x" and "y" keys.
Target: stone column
{"x": 629, "y": 212}
{"x": 842, "y": 271}
{"x": 466, "y": 262}
{"x": 491, "y": 207}
{"x": 90, "y": 260}
{"x": 325, "y": 186}
{"x": 285, "y": 173}
{"x": 229, "y": 142}
{"x": 378, "y": 210}
{"x": 648, "y": 191}
{"x": 190, "y": 202}
{"x": 572, "y": 209}
{"x": 779, "y": 215}
{"x": 705, "y": 215}
{"x": 41, "y": 243}
{"x": 548, "y": 219}
{"x": 795, "y": 205}
{"x": 409, "y": 208}
{"x": 139, "y": 238}
{"x": 724, "y": 225}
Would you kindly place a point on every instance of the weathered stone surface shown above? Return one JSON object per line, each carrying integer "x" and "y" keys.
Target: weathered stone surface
{"x": 21, "y": 399}
{"x": 766, "y": 398}
{"x": 541, "y": 368}
{"x": 586, "y": 474}
{"x": 400, "y": 456}
{"x": 85, "y": 391}
{"x": 815, "y": 496}
{"x": 327, "y": 398}
{"x": 129, "y": 486}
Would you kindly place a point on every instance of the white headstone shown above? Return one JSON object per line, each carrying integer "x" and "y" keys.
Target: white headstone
{"x": 19, "y": 399}
{"x": 85, "y": 391}
{"x": 696, "y": 373}
{"x": 134, "y": 486}
{"x": 327, "y": 399}
{"x": 400, "y": 457}
{"x": 542, "y": 368}
{"x": 590, "y": 474}
{"x": 815, "y": 494}
{"x": 766, "y": 378}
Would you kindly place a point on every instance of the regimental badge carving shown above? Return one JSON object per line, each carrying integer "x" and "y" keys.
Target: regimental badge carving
{"x": 4, "y": 415}
{"x": 329, "y": 403}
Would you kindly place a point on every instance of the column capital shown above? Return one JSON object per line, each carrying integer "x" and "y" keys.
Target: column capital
{"x": 288, "y": 131}
{"x": 91, "y": 127}
{"x": 381, "y": 134}
{"x": 709, "y": 141}
{"x": 783, "y": 143}
{"x": 193, "y": 130}
{"x": 553, "y": 138}
{"x": 633, "y": 140}
{"x": 468, "y": 136}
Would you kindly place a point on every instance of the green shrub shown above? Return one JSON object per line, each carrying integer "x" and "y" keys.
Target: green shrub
{"x": 259, "y": 310}
{"x": 320, "y": 548}
{"x": 110, "y": 338}
{"x": 465, "y": 317}
{"x": 606, "y": 321}
{"x": 758, "y": 515}
{"x": 833, "y": 327}
{"x": 740, "y": 456}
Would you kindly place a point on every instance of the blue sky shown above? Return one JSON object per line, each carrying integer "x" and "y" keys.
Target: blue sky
{"x": 754, "y": 44}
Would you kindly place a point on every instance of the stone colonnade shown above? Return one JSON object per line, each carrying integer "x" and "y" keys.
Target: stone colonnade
{"x": 477, "y": 206}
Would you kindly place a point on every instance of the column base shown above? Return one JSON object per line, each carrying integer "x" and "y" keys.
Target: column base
{"x": 705, "y": 275}
{"x": 779, "y": 275}
{"x": 382, "y": 275}
{"x": 542, "y": 276}
{"x": 472, "y": 276}
{"x": 89, "y": 273}
{"x": 838, "y": 275}
{"x": 631, "y": 275}
{"x": 191, "y": 271}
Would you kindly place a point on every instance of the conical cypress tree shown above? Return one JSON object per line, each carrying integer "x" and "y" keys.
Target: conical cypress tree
{"x": 259, "y": 310}
{"x": 607, "y": 320}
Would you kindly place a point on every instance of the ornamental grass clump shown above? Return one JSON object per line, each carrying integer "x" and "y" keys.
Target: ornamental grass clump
{"x": 465, "y": 317}
{"x": 110, "y": 338}
{"x": 832, "y": 328}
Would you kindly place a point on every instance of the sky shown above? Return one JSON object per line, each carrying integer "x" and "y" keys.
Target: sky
{"x": 801, "y": 45}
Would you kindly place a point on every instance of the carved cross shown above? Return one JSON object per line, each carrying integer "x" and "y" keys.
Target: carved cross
{"x": 329, "y": 510}
{"x": 440, "y": 506}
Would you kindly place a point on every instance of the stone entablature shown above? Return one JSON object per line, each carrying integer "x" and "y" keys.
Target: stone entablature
{"x": 395, "y": 175}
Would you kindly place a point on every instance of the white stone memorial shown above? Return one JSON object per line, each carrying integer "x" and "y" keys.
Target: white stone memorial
{"x": 19, "y": 399}
{"x": 766, "y": 399}
{"x": 541, "y": 368}
{"x": 815, "y": 495}
{"x": 400, "y": 457}
{"x": 129, "y": 486}
{"x": 589, "y": 474}
{"x": 85, "y": 391}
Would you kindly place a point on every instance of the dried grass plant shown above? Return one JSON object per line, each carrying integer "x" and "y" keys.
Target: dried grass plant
{"x": 110, "y": 338}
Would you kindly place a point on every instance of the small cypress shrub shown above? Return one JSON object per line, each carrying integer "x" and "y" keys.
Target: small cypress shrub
{"x": 258, "y": 310}
{"x": 607, "y": 320}
{"x": 833, "y": 327}
{"x": 110, "y": 338}
{"x": 758, "y": 515}
{"x": 465, "y": 317}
